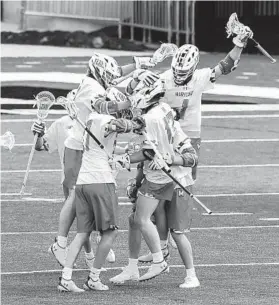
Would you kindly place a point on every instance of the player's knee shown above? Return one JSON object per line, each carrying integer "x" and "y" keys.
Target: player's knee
{"x": 176, "y": 234}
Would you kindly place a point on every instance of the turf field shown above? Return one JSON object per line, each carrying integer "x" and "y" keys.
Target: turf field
{"x": 236, "y": 249}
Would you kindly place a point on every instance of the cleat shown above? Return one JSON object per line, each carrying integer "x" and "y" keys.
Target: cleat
{"x": 89, "y": 264}
{"x": 154, "y": 270}
{"x": 149, "y": 259}
{"x": 90, "y": 284}
{"x": 68, "y": 286}
{"x": 172, "y": 242}
{"x": 111, "y": 255}
{"x": 126, "y": 275}
{"x": 190, "y": 282}
{"x": 59, "y": 253}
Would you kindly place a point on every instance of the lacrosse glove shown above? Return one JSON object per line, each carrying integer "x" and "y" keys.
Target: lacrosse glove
{"x": 118, "y": 162}
{"x": 241, "y": 39}
{"x": 157, "y": 163}
{"x": 132, "y": 190}
{"x": 38, "y": 128}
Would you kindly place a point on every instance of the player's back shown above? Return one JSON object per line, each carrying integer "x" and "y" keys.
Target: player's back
{"x": 160, "y": 129}
{"x": 87, "y": 91}
{"x": 95, "y": 167}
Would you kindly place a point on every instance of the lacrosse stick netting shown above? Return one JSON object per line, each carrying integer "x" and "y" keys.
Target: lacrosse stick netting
{"x": 7, "y": 140}
{"x": 44, "y": 100}
{"x": 234, "y": 26}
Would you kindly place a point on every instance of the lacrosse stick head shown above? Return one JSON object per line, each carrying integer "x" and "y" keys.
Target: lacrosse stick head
{"x": 69, "y": 105}
{"x": 184, "y": 63}
{"x": 234, "y": 26}
{"x": 44, "y": 100}
{"x": 7, "y": 140}
{"x": 165, "y": 50}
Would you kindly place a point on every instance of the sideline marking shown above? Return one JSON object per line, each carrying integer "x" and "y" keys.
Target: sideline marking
{"x": 242, "y": 77}
{"x": 146, "y": 267}
{"x": 249, "y": 73}
{"x": 125, "y": 231}
{"x": 269, "y": 219}
{"x": 201, "y": 166}
{"x": 32, "y": 62}
{"x": 24, "y": 66}
{"x": 226, "y": 214}
{"x": 30, "y": 199}
{"x": 76, "y": 66}
{"x": 15, "y": 194}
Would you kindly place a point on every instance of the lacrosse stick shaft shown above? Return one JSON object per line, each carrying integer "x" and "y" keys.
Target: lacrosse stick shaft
{"x": 28, "y": 165}
{"x": 92, "y": 136}
{"x": 263, "y": 51}
{"x": 166, "y": 170}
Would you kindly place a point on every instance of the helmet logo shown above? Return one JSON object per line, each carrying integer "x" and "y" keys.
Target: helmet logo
{"x": 99, "y": 63}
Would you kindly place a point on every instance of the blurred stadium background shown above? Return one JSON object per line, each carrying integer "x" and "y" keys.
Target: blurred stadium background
{"x": 197, "y": 22}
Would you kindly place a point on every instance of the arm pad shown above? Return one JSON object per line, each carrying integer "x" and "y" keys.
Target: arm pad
{"x": 227, "y": 65}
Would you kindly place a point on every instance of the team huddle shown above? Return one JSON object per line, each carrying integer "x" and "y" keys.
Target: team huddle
{"x": 164, "y": 111}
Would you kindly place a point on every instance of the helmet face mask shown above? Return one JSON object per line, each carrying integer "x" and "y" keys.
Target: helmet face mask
{"x": 184, "y": 63}
{"x": 104, "y": 68}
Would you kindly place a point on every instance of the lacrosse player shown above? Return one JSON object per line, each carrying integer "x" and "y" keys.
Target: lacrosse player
{"x": 90, "y": 96}
{"x": 156, "y": 186}
{"x": 96, "y": 200}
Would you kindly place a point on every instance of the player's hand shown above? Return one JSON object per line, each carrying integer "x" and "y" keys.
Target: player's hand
{"x": 132, "y": 190}
{"x": 158, "y": 163}
{"x": 38, "y": 128}
{"x": 118, "y": 162}
{"x": 147, "y": 77}
{"x": 132, "y": 147}
{"x": 140, "y": 122}
{"x": 241, "y": 39}
{"x": 144, "y": 62}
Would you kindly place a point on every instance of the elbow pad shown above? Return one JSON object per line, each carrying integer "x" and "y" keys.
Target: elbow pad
{"x": 227, "y": 65}
{"x": 187, "y": 153}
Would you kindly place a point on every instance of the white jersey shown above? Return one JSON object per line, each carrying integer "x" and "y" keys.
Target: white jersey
{"x": 182, "y": 174}
{"x": 189, "y": 97}
{"x": 56, "y": 135}
{"x": 87, "y": 91}
{"x": 160, "y": 128}
{"x": 95, "y": 167}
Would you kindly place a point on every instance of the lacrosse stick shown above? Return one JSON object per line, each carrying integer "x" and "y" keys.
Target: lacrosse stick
{"x": 7, "y": 140}
{"x": 72, "y": 110}
{"x": 167, "y": 171}
{"x": 234, "y": 26}
{"x": 44, "y": 100}
{"x": 165, "y": 50}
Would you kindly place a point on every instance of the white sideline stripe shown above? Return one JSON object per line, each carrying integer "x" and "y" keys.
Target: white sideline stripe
{"x": 203, "y": 141}
{"x": 269, "y": 219}
{"x": 32, "y": 62}
{"x": 125, "y": 231}
{"x": 226, "y": 214}
{"x": 35, "y": 199}
{"x": 82, "y": 62}
{"x": 242, "y": 77}
{"x": 201, "y": 166}
{"x": 75, "y": 78}
{"x": 242, "y": 116}
{"x": 145, "y": 267}
{"x": 31, "y": 112}
{"x": 15, "y": 194}
{"x": 24, "y": 66}
{"x": 76, "y": 66}
{"x": 249, "y": 73}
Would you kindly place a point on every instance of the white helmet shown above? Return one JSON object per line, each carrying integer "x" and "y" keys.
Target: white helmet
{"x": 104, "y": 68}
{"x": 184, "y": 63}
{"x": 144, "y": 95}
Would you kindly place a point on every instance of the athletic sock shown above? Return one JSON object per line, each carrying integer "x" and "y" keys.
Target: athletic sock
{"x": 95, "y": 274}
{"x": 191, "y": 272}
{"x": 89, "y": 255}
{"x": 164, "y": 244}
{"x": 157, "y": 257}
{"x": 62, "y": 241}
{"x": 133, "y": 263}
{"x": 67, "y": 273}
